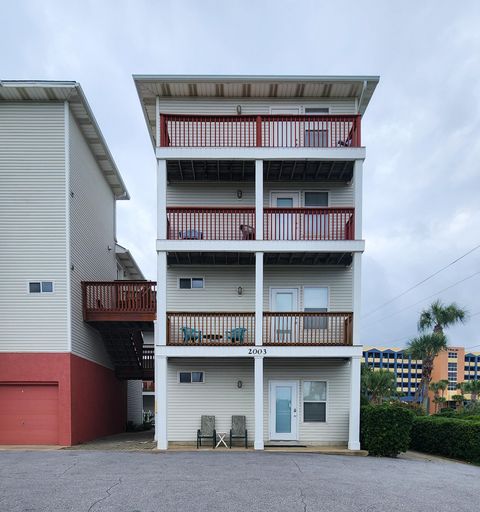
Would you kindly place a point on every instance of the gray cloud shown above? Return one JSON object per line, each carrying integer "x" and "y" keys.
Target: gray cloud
{"x": 422, "y": 179}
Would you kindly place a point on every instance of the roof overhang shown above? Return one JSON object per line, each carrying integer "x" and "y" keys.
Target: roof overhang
{"x": 58, "y": 91}
{"x": 251, "y": 86}
{"x": 126, "y": 260}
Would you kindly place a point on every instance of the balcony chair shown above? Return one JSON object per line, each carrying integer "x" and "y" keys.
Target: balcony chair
{"x": 239, "y": 429}
{"x": 207, "y": 430}
{"x": 236, "y": 334}
{"x": 248, "y": 232}
{"x": 191, "y": 334}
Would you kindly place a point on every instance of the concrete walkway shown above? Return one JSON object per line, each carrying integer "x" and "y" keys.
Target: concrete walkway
{"x": 115, "y": 481}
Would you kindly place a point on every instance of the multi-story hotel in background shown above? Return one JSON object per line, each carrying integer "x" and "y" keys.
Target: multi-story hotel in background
{"x": 455, "y": 365}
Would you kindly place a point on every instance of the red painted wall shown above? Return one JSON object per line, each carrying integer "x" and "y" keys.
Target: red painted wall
{"x": 99, "y": 401}
{"x": 91, "y": 400}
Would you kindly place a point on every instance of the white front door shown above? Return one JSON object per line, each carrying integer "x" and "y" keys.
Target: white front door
{"x": 284, "y": 300}
{"x": 284, "y": 226}
{"x": 283, "y": 410}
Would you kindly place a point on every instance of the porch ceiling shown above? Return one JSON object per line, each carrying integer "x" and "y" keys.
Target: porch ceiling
{"x": 240, "y": 258}
{"x": 273, "y": 170}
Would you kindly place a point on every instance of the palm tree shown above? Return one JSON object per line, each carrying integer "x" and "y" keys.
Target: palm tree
{"x": 426, "y": 347}
{"x": 378, "y": 385}
{"x": 472, "y": 387}
{"x": 439, "y": 316}
{"x": 438, "y": 389}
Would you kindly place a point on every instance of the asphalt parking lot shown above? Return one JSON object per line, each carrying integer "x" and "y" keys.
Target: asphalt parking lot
{"x": 92, "y": 481}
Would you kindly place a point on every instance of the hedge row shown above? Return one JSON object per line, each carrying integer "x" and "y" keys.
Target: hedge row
{"x": 451, "y": 437}
{"x": 385, "y": 429}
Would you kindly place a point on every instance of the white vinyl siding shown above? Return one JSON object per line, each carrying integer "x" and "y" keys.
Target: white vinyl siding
{"x": 225, "y": 194}
{"x": 221, "y": 284}
{"x": 91, "y": 232}
{"x": 337, "y": 375}
{"x": 218, "y": 396}
{"x": 221, "y": 397}
{"x": 228, "y": 106}
{"x": 32, "y": 226}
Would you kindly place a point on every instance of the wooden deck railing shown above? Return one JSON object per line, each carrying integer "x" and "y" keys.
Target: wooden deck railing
{"x": 210, "y": 223}
{"x": 207, "y": 328}
{"x": 302, "y": 328}
{"x": 309, "y": 224}
{"x": 273, "y": 131}
{"x": 118, "y": 300}
{"x": 148, "y": 358}
{"x": 148, "y": 385}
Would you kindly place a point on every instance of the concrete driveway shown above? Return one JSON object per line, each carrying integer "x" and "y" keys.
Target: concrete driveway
{"x": 93, "y": 481}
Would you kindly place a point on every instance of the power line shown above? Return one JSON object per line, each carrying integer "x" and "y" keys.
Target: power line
{"x": 426, "y": 298}
{"x": 420, "y": 282}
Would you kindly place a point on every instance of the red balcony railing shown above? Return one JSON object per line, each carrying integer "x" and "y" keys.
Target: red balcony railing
{"x": 309, "y": 224}
{"x": 119, "y": 300}
{"x": 212, "y": 223}
{"x": 273, "y": 131}
{"x": 210, "y": 328}
{"x": 310, "y": 328}
{"x": 148, "y": 385}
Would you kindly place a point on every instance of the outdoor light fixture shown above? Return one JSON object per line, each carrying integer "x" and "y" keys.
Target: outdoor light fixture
{"x": 240, "y": 290}
{"x": 239, "y": 194}
{"x": 239, "y": 384}
{"x": 239, "y": 109}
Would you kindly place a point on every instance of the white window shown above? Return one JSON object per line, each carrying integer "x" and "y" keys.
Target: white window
{"x": 314, "y": 401}
{"x": 191, "y": 283}
{"x": 191, "y": 377}
{"x": 315, "y": 299}
{"x": 317, "y": 110}
{"x": 40, "y": 287}
{"x": 315, "y": 199}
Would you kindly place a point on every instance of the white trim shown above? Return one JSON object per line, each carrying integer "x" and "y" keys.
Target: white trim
{"x": 258, "y": 403}
{"x": 191, "y": 288}
{"x": 326, "y": 401}
{"x": 354, "y": 410}
{"x": 357, "y": 296}
{"x": 157, "y": 121}
{"x": 259, "y": 199}
{"x": 68, "y": 257}
{"x": 291, "y": 351}
{"x": 357, "y": 197}
{"x": 260, "y": 245}
{"x": 161, "y": 400}
{"x": 258, "y": 298}
{"x": 40, "y": 281}
{"x": 190, "y": 372}
{"x": 294, "y": 419}
{"x": 340, "y": 153}
{"x": 284, "y": 107}
{"x": 161, "y": 199}
{"x": 161, "y": 322}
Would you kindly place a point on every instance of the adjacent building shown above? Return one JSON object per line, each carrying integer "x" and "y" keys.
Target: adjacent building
{"x": 259, "y": 245}
{"x": 62, "y": 370}
{"x": 453, "y": 365}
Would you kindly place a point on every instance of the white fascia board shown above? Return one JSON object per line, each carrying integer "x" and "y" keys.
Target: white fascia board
{"x": 273, "y": 246}
{"x": 255, "y": 351}
{"x": 316, "y": 154}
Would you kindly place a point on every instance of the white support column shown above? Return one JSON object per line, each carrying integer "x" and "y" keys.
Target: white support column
{"x": 161, "y": 323}
{"x": 259, "y": 199}
{"x": 357, "y": 194}
{"x": 354, "y": 416}
{"x": 357, "y": 295}
{"x": 258, "y": 443}
{"x": 161, "y": 397}
{"x": 161, "y": 199}
{"x": 258, "y": 298}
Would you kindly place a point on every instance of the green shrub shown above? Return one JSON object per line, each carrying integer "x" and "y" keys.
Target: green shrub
{"x": 385, "y": 429}
{"x": 451, "y": 437}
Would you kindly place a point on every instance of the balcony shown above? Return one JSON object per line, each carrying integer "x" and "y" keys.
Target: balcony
{"x": 279, "y": 329}
{"x": 119, "y": 301}
{"x": 218, "y": 223}
{"x": 268, "y": 131}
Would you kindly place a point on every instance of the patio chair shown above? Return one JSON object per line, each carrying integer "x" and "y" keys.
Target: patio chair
{"x": 236, "y": 334}
{"x": 191, "y": 334}
{"x": 239, "y": 429}
{"x": 248, "y": 232}
{"x": 207, "y": 430}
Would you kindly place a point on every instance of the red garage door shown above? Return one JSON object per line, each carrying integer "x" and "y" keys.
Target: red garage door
{"x": 28, "y": 414}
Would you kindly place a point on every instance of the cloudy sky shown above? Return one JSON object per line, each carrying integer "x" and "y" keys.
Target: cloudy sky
{"x": 422, "y": 128}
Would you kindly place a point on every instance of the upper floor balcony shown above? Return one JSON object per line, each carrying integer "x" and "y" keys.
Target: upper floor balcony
{"x": 286, "y": 224}
{"x": 260, "y": 131}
